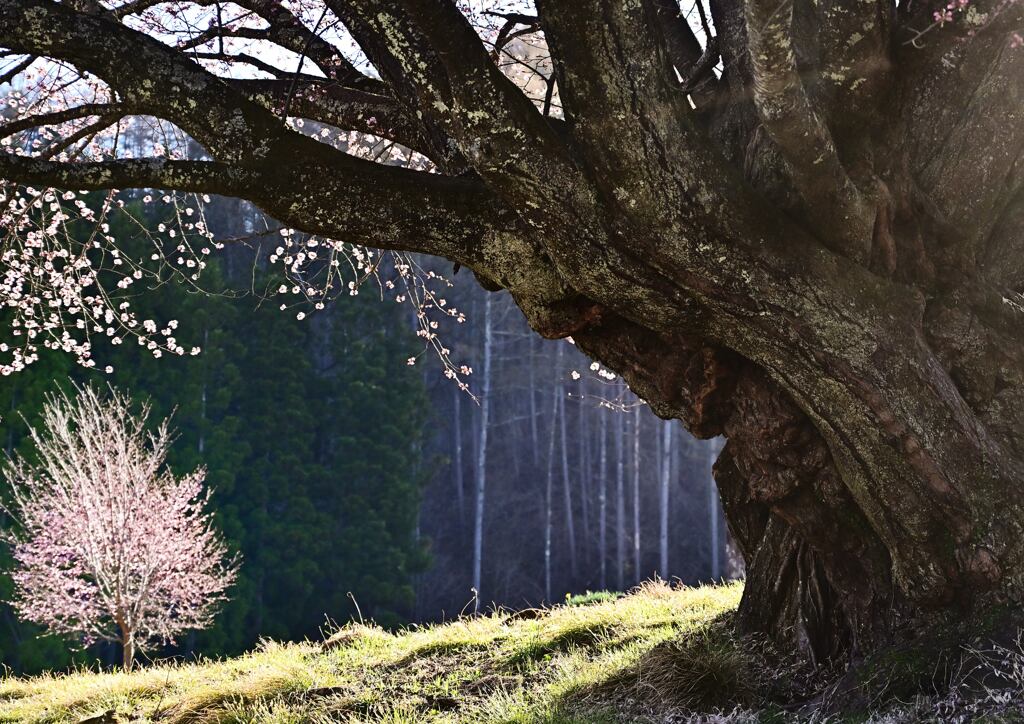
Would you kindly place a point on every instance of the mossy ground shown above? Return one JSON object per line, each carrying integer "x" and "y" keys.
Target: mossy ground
{"x": 633, "y": 658}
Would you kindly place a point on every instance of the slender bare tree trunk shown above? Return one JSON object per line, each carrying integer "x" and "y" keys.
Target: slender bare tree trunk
{"x": 712, "y": 448}
{"x": 460, "y": 488}
{"x": 663, "y": 497}
{"x": 9, "y": 445}
{"x": 620, "y": 502}
{"x": 636, "y": 494}
{"x": 602, "y": 500}
{"x": 570, "y": 523}
{"x": 127, "y": 648}
{"x": 547, "y": 502}
{"x": 481, "y": 457}
{"x": 201, "y": 445}
{"x": 534, "y": 437}
{"x": 583, "y": 471}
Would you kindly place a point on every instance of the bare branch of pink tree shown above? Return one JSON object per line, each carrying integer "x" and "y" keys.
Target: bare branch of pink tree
{"x": 109, "y": 545}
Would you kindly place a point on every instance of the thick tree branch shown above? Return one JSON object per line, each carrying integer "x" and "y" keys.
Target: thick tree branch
{"x": 970, "y": 189}
{"x": 634, "y": 128}
{"x": 198, "y": 176}
{"x": 336, "y": 105}
{"x": 148, "y": 75}
{"x": 287, "y": 31}
{"x": 693, "y": 63}
{"x": 430, "y": 48}
{"x": 384, "y": 33}
{"x": 48, "y": 119}
{"x": 837, "y": 208}
{"x": 854, "y": 38}
{"x": 359, "y": 201}
{"x": 682, "y": 45}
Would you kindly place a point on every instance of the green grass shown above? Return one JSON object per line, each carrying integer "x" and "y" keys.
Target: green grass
{"x": 629, "y": 658}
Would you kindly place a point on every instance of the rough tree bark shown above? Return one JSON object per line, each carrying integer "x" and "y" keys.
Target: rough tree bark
{"x": 816, "y": 254}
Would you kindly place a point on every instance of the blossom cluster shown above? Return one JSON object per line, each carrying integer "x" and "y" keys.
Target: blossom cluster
{"x": 313, "y": 268}
{"x": 945, "y": 14}
{"x": 66, "y": 281}
{"x": 66, "y": 278}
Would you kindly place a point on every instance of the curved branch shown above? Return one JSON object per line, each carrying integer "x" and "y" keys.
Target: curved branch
{"x": 335, "y": 105}
{"x": 508, "y": 31}
{"x": 693, "y": 64}
{"x": 287, "y": 31}
{"x": 198, "y": 176}
{"x": 337, "y": 196}
{"x": 149, "y": 76}
{"x": 855, "y": 43}
{"x": 834, "y": 203}
{"x": 247, "y": 59}
{"x": 48, "y": 119}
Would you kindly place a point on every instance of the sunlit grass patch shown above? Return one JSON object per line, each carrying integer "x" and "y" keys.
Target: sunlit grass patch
{"x": 585, "y": 599}
{"x": 559, "y": 665}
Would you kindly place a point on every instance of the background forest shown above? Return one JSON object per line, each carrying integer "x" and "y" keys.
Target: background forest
{"x": 346, "y": 475}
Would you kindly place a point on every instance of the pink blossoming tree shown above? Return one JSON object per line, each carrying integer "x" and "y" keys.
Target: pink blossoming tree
{"x": 110, "y": 545}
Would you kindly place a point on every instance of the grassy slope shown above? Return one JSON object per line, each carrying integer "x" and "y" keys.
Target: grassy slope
{"x": 656, "y": 650}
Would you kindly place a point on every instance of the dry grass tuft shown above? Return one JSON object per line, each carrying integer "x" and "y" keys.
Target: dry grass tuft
{"x": 351, "y": 632}
{"x": 705, "y": 671}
